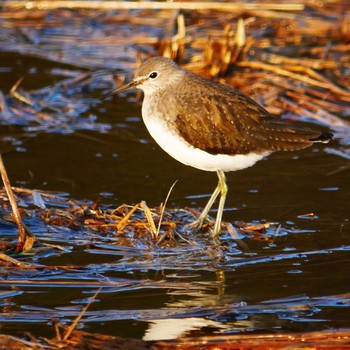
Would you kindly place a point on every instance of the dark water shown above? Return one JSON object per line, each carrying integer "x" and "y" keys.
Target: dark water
{"x": 300, "y": 281}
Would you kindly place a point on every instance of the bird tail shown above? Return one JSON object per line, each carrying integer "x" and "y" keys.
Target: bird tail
{"x": 325, "y": 137}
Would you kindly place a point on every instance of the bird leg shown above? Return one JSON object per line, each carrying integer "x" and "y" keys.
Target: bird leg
{"x": 221, "y": 188}
{"x": 223, "y": 192}
{"x": 199, "y": 222}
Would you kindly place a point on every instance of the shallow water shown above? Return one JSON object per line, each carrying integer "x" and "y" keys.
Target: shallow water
{"x": 295, "y": 281}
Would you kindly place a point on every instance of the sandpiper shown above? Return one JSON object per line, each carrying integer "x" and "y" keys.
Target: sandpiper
{"x": 211, "y": 126}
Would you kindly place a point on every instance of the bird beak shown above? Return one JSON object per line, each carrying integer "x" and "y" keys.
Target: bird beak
{"x": 125, "y": 87}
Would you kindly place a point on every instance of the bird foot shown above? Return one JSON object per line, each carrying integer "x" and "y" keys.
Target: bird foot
{"x": 197, "y": 224}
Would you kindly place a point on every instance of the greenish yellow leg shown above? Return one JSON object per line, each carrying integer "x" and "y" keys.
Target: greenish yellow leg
{"x": 223, "y": 192}
{"x": 221, "y": 188}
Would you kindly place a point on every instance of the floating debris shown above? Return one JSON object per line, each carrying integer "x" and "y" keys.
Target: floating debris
{"x": 155, "y": 227}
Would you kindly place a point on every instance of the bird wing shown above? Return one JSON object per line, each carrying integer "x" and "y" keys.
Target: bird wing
{"x": 231, "y": 123}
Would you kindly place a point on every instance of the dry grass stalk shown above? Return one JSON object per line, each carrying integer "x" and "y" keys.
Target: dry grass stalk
{"x": 151, "y": 225}
{"x": 17, "y": 95}
{"x": 302, "y": 62}
{"x": 173, "y": 46}
{"x": 122, "y": 223}
{"x": 284, "y": 72}
{"x": 163, "y": 207}
{"x": 25, "y": 238}
{"x": 13, "y": 261}
{"x": 320, "y": 115}
{"x": 150, "y": 5}
{"x": 220, "y": 54}
{"x": 82, "y": 313}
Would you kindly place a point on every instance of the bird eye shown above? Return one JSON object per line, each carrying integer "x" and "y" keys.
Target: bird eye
{"x": 153, "y": 75}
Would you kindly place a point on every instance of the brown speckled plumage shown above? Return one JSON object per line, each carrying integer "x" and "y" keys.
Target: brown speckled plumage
{"x": 221, "y": 120}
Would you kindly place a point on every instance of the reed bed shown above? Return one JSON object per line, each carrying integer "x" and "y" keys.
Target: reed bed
{"x": 293, "y": 57}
